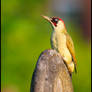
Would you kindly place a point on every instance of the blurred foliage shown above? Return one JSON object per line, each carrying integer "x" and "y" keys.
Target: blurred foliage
{"x": 24, "y": 35}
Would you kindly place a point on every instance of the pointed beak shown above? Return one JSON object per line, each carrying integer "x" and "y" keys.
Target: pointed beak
{"x": 47, "y": 18}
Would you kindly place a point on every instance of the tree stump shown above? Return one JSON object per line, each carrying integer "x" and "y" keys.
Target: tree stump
{"x": 51, "y": 74}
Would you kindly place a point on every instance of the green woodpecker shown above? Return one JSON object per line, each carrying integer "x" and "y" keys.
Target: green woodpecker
{"x": 62, "y": 42}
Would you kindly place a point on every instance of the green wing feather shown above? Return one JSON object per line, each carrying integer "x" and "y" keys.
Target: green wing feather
{"x": 70, "y": 46}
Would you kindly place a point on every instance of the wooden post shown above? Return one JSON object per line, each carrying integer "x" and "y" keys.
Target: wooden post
{"x": 51, "y": 74}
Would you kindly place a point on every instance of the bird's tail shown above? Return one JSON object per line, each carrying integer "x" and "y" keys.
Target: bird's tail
{"x": 75, "y": 69}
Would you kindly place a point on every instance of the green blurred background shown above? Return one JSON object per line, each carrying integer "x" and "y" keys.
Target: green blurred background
{"x": 25, "y": 34}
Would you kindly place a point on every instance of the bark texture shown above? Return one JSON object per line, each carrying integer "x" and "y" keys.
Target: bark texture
{"x": 51, "y": 74}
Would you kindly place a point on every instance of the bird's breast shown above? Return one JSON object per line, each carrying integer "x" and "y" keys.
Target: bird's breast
{"x": 58, "y": 41}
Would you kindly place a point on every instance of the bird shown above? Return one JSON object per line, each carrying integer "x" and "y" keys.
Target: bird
{"x": 62, "y": 42}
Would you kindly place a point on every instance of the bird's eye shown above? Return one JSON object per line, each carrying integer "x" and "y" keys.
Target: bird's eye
{"x": 55, "y": 21}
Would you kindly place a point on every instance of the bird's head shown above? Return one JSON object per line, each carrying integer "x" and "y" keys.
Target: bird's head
{"x": 56, "y": 22}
